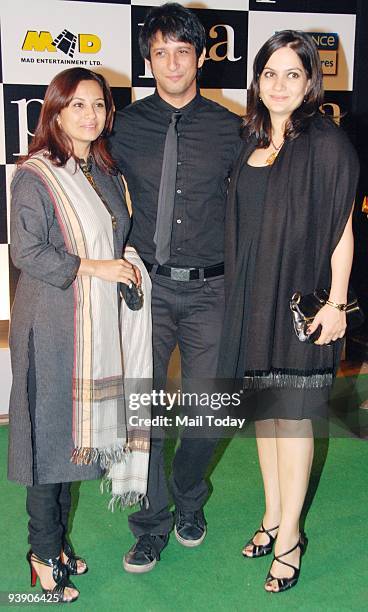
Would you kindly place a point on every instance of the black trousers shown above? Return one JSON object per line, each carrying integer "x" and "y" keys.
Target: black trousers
{"x": 189, "y": 313}
{"x": 48, "y": 506}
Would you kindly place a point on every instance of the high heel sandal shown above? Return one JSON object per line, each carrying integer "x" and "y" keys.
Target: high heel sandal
{"x": 59, "y": 574}
{"x": 260, "y": 550}
{"x": 287, "y": 583}
{"x": 70, "y": 560}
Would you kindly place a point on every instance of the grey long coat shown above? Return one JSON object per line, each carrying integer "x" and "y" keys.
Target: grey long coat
{"x": 42, "y": 332}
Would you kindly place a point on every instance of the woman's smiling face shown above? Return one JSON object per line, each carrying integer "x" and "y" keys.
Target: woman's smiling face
{"x": 283, "y": 83}
{"x": 84, "y": 118}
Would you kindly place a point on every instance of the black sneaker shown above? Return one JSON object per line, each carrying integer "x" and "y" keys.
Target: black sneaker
{"x": 190, "y": 527}
{"x": 145, "y": 553}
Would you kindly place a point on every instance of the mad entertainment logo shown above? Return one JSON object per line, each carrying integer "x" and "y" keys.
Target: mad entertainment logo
{"x": 66, "y": 42}
{"x": 328, "y": 45}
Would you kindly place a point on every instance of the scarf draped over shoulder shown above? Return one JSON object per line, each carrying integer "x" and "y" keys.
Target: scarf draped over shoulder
{"x": 309, "y": 197}
{"x": 105, "y": 338}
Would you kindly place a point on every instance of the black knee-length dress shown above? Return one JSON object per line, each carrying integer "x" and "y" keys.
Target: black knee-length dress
{"x": 269, "y": 403}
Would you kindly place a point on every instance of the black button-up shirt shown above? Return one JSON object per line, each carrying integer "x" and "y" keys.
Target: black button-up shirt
{"x": 208, "y": 145}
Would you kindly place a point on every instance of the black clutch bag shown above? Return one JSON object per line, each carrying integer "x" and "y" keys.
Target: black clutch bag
{"x": 305, "y": 307}
{"x": 132, "y": 295}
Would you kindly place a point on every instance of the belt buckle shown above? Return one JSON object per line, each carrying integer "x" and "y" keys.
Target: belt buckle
{"x": 180, "y": 274}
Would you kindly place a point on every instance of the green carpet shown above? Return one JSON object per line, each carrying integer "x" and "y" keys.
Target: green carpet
{"x": 215, "y": 576}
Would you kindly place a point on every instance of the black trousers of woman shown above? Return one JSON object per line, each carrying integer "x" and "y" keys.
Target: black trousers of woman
{"x": 48, "y": 506}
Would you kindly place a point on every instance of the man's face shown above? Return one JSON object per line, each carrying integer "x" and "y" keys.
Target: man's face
{"x": 174, "y": 65}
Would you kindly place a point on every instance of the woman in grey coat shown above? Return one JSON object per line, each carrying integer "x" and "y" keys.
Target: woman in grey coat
{"x": 69, "y": 223}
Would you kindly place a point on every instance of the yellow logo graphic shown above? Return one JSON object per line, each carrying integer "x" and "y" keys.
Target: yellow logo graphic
{"x": 89, "y": 43}
{"x": 38, "y": 41}
{"x": 66, "y": 42}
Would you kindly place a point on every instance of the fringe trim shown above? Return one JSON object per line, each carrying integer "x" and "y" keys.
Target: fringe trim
{"x": 106, "y": 457}
{"x": 124, "y": 500}
{"x": 284, "y": 379}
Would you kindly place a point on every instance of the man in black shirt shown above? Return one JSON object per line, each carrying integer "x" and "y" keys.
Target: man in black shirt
{"x": 176, "y": 150}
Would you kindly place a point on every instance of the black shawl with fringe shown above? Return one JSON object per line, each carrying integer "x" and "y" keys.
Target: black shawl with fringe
{"x": 309, "y": 197}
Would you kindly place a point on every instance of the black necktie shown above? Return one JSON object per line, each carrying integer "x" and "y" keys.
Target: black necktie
{"x": 166, "y": 196}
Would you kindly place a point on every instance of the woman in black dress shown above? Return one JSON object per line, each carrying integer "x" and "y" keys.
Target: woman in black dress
{"x": 288, "y": 229}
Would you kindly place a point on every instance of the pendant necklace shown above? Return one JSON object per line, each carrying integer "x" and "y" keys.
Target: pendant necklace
{"x": 271, "y": 158}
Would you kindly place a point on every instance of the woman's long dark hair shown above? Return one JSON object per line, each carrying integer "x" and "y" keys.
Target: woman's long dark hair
{"x": 50, "y": 136}
{"x": 257, "y": 120}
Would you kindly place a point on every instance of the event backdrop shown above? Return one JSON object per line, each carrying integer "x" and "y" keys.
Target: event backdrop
{"x": 42, "y": 37}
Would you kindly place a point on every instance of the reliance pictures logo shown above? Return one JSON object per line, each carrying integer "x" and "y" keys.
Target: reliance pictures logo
{"x": 66, "y": 42}
{"x": 328, "y": 45}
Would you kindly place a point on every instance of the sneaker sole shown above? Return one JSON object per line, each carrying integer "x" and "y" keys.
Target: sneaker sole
{"x": 190, "y": 543}
{"x": 138, "y": 569}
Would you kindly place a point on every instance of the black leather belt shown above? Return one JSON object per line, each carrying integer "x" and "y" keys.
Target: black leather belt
{"x": 186, "y": 274}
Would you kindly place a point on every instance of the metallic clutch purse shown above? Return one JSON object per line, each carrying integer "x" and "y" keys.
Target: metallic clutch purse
{"x": 305, "y": 307}
{"x": 132, "y": 295}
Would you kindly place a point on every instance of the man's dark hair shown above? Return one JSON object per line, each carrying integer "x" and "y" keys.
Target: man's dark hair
{"x": 257, "y": 119}
{"x": 174, "y": 22}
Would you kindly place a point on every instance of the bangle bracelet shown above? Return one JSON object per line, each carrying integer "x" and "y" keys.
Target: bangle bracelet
{"x": 341, "y": 307}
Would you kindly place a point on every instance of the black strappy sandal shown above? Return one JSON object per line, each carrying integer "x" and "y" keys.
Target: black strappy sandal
{"x": 260, "y": 550}
{"x": 287, "y": 583}
{"x": 59, "y": 574}
{"x": 71, "y": 561}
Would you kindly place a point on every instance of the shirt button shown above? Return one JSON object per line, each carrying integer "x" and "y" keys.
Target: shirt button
{"x": 178, "y": 191}
{"x": 178, "y": 221}
{"x": 179, "y": 163}
{"x": 178, "y": 249}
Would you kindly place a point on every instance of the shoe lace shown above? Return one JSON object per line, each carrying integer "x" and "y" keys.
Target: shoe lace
{"x": 189, "y": 518}
{"x": 146, "y": 543}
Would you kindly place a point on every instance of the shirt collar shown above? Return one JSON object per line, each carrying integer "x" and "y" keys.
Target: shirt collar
{"x": 86, "y": 165}
{"x": 186, "y": 111}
